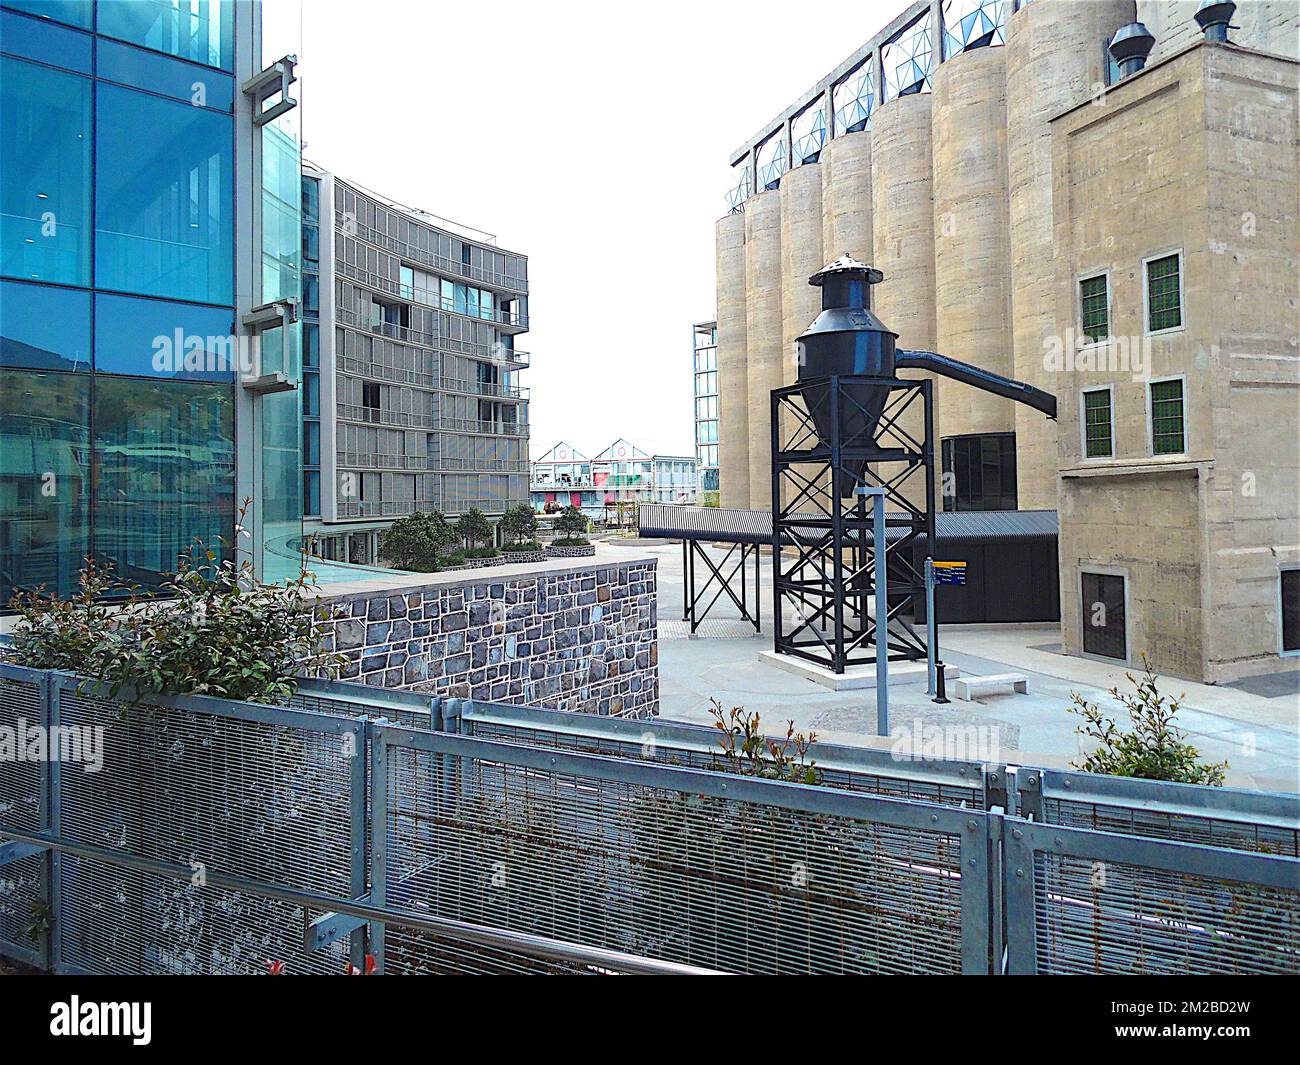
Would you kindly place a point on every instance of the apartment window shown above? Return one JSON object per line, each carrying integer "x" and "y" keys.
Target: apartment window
{"x": 1168, "y": 428}
{"x": 1098, "y": 439}
{"x": 1164, "y": 293}
{"x": 1290, "y": 592}
{"x": 1093, "y": 304}
{"x": 370, "y": 395}
{"x": 1104, "y": 631}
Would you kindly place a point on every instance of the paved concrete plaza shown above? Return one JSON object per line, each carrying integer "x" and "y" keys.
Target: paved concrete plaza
{"x": 1255, "y": 731}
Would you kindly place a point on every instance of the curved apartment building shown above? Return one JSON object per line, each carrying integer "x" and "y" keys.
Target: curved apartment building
{"x": 411, "y": 396}
{"x": 1029, "y": 202}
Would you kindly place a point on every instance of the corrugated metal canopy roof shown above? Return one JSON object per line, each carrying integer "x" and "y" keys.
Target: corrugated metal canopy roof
{"x": 755, "y": 526}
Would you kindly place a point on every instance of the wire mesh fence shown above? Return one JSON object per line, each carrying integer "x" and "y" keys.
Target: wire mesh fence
{"x": 458, "y": 837}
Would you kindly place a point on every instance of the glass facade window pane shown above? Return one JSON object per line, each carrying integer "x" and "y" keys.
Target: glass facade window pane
{"x": 44, "y": 480}
{"x": 164, "y": 203}
{"x": 310, "y": 344}
{"x": 1164, "y": 301}
{"x": 45, "y": 180}
{"x": 979, "y": 472}
{"x": 43, "y": 327}
{"x": 1167, "y": 430}
{"x": 311, "y": 492}
{"x": 187, "y": 82}
{"x": 165, "y": 458}
{"x": 1097, "y": 431}
{"x": 45, "y": 41}
{"x": 199, "y": 30}
{"x": 155, "y": 338}
{"x": 1094, "y": 306}
{"x": 73, "y": 12}
{"x": 908, "y": 60}
{"x": 311, "y": 444}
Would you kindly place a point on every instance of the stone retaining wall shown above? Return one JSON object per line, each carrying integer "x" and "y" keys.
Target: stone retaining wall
{"x": 577, "y": 638}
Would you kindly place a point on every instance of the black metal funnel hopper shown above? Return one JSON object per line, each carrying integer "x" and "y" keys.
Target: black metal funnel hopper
{"x": 847, "y": 339}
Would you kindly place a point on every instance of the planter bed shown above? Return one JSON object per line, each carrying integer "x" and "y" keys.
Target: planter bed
{"x": 474, "y": 563}
{"x": 524, "y": 556}
{"x": 571, "y": 552}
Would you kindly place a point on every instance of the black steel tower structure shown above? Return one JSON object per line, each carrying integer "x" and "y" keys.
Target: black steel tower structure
{"x": 851, "y": 423}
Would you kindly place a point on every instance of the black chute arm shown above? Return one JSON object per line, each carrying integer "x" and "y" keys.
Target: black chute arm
{"x": 977, "y": 378}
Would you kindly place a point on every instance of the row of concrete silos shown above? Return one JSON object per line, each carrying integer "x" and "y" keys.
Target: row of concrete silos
{"x": 950, "y": 194}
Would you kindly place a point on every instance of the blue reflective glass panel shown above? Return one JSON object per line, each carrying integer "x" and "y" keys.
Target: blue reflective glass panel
{"x": 44, "y": 173}
{"x": 43, "y": 327}
{"x": 192, "y": 84}
{"x": 199, "y": 30}
{"x": 44, "y": 480}
{"x": 45, "y": 41}
{"x": 73, "y": 12}
{"x": 164, "y": 211}
{"x": 165, "y": 454}
{"x": 156, "y": 338}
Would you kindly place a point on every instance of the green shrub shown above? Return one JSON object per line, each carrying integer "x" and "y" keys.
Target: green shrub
{"x": 473, "y": 529}
{"x": 747, "y": 752}
{"x": 523, "y": 547}
{"x": 417, "y": 541}
{"x": 573, "y": 523}
{"x": 1154, "y": 749}
{"x": 519, "y": 524}
{"x": 217, "y": 631}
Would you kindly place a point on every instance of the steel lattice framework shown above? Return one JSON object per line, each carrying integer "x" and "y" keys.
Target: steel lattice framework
{"x": 824, "y": 577}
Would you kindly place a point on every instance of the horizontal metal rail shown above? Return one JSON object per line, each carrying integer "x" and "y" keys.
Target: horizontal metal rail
{"x": 655, "y": 741}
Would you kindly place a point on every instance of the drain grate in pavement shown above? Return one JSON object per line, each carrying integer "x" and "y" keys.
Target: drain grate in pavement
{"x": 720, "y": 629}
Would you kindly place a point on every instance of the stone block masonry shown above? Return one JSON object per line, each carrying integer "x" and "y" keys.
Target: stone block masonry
{"x": 581, "y": 638}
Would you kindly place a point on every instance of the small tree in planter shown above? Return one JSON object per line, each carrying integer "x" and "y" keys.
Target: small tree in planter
{"x": 475, "y": 531}
{"x": 573, "y": 524}
{"x": 418, "y": 541}
{"x": 519, "y": 527}
{"x": 1155, "y": 748}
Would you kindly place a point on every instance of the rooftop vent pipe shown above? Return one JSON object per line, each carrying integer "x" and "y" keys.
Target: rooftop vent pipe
{"x": 1214, "y": 18}
{"x": 1130, "y": 47}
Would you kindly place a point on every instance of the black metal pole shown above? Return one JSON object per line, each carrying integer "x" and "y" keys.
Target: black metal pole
{"x": 777, "y": 636}
{"x": 837, "y": 528}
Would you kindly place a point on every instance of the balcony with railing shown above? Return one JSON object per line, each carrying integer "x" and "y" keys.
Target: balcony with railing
{"x": 507, "y": 320}
{"x": 483, "y": 388}
{"x": 379, "y": 416}
{"x": 370, "y": 460}
{"x": 480, "y": 274}
{"x": 483, "y": 428}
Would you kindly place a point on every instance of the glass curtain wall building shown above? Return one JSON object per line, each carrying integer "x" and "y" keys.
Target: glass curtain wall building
{"x": 134, "y": 186}
{"x": 705, "y": 336}
{"x": 411, "y": 393}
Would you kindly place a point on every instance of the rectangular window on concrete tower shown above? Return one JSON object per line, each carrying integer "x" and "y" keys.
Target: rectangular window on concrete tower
{"x": 1102, "y": 602}
{"x": 1290, "y": 592}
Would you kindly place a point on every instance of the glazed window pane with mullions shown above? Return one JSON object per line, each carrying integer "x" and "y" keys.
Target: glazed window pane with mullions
{"x": 1097, "y": 425}
{"x": 1167, "y": 427}
{"x": 45, "y": 146}
{"x": 1164, "y": 301}
{"x": 1094, "y": 308}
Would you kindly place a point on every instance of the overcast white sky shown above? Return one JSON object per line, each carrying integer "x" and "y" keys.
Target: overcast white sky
{"x": 593, "y": 137}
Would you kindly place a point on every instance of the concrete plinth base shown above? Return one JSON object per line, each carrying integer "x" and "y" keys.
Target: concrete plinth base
{"x": 855, "y": 677}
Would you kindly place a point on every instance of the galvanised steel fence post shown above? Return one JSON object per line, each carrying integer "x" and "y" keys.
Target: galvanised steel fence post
{"x": 378, "y": 837}
{"x": 1018, "y": 901}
